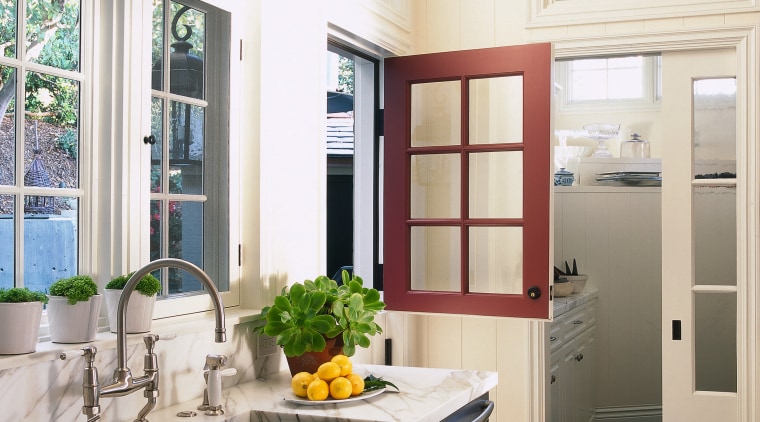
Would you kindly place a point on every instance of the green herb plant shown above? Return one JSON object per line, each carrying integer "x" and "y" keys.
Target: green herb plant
{"x": 21, "y": 294}
{"x": 372, "y": 382}
{"x": 148, "y": 286}
{"x": 78, "y": 288}
{"x": 307, "y": 313}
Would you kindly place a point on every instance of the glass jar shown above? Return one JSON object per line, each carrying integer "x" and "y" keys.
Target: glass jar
{"x": 635, "y": 147}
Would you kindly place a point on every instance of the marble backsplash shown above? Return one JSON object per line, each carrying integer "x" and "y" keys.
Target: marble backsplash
{"x": 47, "y": 389}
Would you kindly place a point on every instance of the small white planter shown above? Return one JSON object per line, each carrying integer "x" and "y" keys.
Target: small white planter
{"x": 76, "y": 323}
{"x": 19, "y": 327}
{"x": 139, "y": 310}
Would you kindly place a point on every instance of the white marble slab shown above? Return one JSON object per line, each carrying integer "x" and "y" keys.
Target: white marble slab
{"x": 568, "y": 303}
{"x": 425, "y": 395}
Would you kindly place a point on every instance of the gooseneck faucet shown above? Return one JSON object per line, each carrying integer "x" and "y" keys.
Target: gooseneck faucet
{"x": 123, "y": 383}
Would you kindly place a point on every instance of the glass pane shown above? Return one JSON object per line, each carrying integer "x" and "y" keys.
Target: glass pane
{"x": 496, "y": 260}
{"x": 188, "y": 43}
{"x": 8, "y": 27}
{"x": 714, "y": 210}
{"x": 496, "y": 110}
{"x": 7, "y": 125}
{"x": 52, "y": 33}
{"x": 50, "y": 243}
{"x": 436, "y": 114}
{"x": 51, "y": 150}
{"x": 7, "y": 233}
{"x": 715, "y": 342}
{"x": 156, "y": 237}
{"x": 185, "y": 242}
{"x": 435, "y": 190}
{"x": 157, "y": 46}
{"x": 435, "y": 262}
{"x": 157, "y": 149}
{"x": 186, "y": 145}
{"x": 714, "y": 133}
{"x": 496, "y": 184}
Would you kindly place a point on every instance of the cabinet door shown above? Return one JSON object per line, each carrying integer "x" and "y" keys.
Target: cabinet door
{"x": 555, "y": 392}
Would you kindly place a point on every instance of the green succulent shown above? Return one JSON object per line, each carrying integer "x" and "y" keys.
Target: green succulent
{"x": 306, "y": 313}
{"x": 148, "y": 286}
{"x": 21, "y": 294}
{"x": 78, "y": 288}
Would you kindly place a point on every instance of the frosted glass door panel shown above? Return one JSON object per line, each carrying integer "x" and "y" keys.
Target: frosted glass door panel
{"x": 496, "y": 184}
{"x": 496, "y": 110}
{"x": 435, "y": 263}
{"x": 715, "y": 342}
{"x": 714, "y": 210}
{"x": 436, "y": 114}
{"x": 714, "y": 128}
{"x": 496, "y": 260}
{"x": 435, "y": 188}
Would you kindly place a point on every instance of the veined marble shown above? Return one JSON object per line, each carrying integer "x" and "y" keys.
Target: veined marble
{"x": 426, "y": 394}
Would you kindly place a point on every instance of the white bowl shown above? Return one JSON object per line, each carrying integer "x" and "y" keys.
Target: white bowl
{"x": 562, "y": 289}
{"x": 579, "y": 282}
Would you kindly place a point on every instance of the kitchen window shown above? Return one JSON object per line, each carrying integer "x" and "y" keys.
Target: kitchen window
{"x": 595, "y": 84}
{"x": 43, "y": 141}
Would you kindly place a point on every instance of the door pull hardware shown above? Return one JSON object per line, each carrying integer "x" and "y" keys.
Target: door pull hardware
{"x": 149, "y": 140}
{"x": 534, "y": 292}
{"x": 676, "y": 329}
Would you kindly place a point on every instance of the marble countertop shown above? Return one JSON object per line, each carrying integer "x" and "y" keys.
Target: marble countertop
{"x": 568, "y": 303}
{"x": 426, "y": 394}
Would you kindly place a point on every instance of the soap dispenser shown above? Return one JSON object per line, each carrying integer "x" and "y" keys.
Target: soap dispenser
{"x": 634, "y": 147}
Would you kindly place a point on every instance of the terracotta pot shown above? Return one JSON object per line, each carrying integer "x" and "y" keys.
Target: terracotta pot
{"x": 310, "y": 361}
{"x": 76, "y": 323}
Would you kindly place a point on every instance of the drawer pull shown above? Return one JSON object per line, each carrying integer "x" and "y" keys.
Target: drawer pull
{"x": 554, "y": 378}
{"x": 578, "y": 322}
{"x": 552, "y": 338}
{"x": 579, "y": 357}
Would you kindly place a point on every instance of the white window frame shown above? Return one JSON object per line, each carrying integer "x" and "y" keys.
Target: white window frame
{"x": 649, "y": 101}
{"x": 138, "y": 188}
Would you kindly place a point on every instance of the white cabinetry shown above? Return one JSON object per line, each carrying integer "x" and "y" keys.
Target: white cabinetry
{"x": 572, "y": 351}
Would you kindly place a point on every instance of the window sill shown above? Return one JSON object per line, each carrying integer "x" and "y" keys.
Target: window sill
{"x": 105, "y": 340}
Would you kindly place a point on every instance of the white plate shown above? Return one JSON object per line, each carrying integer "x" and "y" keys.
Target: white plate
{"x": 290, "y": 397}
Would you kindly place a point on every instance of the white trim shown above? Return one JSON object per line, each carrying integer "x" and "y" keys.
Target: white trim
{"x": 572, "y": 12}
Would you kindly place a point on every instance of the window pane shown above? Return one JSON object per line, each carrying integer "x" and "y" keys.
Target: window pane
{"x": 186, "y": 144}
{"x": 185, "y": 242}
{"x": 8, "y": 125}
{"x": 496, "y": 184}
{"x": 157, "y": 47}
{"x": 714, "y": 130}
{"x": 7, "y": 248}
{"x": 186, "y": 65}
{"x": 8, "y": 27}
{"x": 436, "y": 114}
{"x": 52, "y": 33}
{"x": 715, "y": 342}
{"x": 157, "y": 149}
{"x": 52, "y": 142}
{"x": 589, "y": 85}
{"x": 435, "y": 262}
{"x": 621, "y": 84}
{"x": 496, "y": 260}
{"x": 714, "y": 210}
{"x": 496, "y": 110}
{"x": 156, "y": 237}
{"x": 50, "y": 243}
{"x": 435, "y": 189}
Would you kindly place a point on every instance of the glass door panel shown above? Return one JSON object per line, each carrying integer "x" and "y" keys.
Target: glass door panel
{"x": 436, "y": 107}
{"x": 496, "y": 112}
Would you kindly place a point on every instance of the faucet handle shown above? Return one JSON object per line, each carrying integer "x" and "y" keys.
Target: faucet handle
{"x": 167, "y": 336}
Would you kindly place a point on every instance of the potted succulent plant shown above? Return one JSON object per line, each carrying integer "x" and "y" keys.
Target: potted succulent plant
{"x": 140, "y": 305}
{"x": 20, "y": 313}
{"x": 321, "y": 317}
{"x": 73, "y": 309}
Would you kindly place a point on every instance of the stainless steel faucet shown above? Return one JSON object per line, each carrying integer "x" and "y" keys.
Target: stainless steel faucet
{"x": 123, "y": 383}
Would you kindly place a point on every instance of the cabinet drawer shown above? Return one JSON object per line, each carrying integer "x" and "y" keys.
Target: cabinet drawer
{"x": 556, "y": 336}
{"x": 578, "y": 320}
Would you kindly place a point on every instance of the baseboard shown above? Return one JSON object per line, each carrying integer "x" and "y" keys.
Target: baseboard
{"x": 629, "y": 414}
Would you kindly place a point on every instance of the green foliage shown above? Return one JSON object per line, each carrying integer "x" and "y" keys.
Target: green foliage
{"x": 302, "y": 316}
{"x": 148, "y": 286}
{"x": 78, "y": 288}
{"x": 69, "y": 143}
{"x": 21, "y": 294}
{"x": 346, "y": 75}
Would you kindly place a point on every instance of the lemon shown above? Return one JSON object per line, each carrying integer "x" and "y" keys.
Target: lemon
{"x": 300, "y": 383}
{"x": 345, "y": 364}
{"x": 317, "y": 390}
{"x": 328, "y": 371}
{"x": 340, "y": 388}
{"x": 357, "y": 384}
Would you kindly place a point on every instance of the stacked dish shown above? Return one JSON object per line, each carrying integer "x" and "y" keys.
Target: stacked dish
{"x": 632, "y": 178}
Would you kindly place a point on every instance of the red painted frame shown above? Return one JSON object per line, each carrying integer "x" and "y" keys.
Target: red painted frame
{"x": 534, "y": 62}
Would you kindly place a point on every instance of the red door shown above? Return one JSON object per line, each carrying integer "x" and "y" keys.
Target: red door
{"x": 467, "y": 182}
